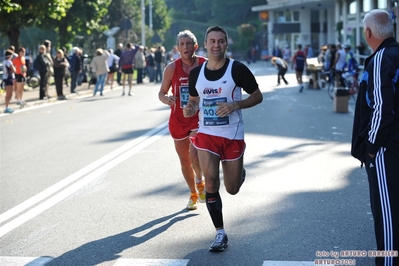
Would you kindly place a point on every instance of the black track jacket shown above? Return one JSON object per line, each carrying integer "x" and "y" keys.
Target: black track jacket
{"x": 376, "y": 121}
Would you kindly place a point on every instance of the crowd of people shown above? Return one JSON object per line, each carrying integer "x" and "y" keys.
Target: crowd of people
{"x": 100, "y": 69}
{"x": 335, "y": 58}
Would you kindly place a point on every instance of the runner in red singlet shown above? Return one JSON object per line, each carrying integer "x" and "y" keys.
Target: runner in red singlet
{"x": 174, "y": 92}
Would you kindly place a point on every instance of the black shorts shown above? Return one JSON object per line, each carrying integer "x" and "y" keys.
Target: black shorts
{"x": 19, "y": 78}
{"x": 127, "y": 70}
{"x": 8, "y": 82}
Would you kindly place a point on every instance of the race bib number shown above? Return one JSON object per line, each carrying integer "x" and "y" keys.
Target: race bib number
{"x": 209, "y": 107}
{"x": 184, "y": 96}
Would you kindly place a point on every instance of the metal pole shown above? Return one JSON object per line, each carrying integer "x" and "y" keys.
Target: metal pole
{"x": 142, "y": 23}
{"x": 150, "y": 15}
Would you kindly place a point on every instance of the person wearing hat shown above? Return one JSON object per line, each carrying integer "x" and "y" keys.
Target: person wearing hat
{"x": 99, "y": 65}
{"x": 8, "y": 78}
{"x": 139, "y": 59}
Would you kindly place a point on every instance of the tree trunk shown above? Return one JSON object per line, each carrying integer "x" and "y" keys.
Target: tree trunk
{"x": 13, "y": 37}
{"x": 62, "y": 32}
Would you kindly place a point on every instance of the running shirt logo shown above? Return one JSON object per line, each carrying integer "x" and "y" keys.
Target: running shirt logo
{"x": 212, "y": 91}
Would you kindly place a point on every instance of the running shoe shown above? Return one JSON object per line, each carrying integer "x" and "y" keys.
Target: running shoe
{"x": 8, "y": 110}
{"x": 192, "y": 202}
{"x": 301, "y": 88}
{"x": 123, "y": 93}
{"x": 220, "y": 243}
{"x": 201, "y": 191}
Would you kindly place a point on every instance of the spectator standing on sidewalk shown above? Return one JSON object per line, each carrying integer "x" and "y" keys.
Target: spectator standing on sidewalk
{"x": 174, "y": 92}
{"x": 375, "y": 137}
{"x": 8, "y": 78}
{"x": 20, "y": 75}
{"x": 151, "y": 64}
{"x": 41, "y": 64}
{"x": 99, "y": 65}
{"x": 339, "y": 64}
{"x": 126, "y": 64}
{"x": 75, "y": 67}
{"x": 215, "y": 92}
{"x": 50, "y": 69}
{"x": 139, "y": 64}
{"x": 112, "y": 61}
{"x": 60, "y": 64}
{"x": 159, "y": 57}
{"x": 118, "y": 53}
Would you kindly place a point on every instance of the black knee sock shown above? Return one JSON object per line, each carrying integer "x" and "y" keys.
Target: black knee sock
{"x": 214, "y": 205}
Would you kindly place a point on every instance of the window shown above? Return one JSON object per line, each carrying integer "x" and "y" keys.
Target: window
{"x": 353, "y": 7}
{"x": 288, "y": 16}
{"x": 366, "y": 5}
{"x": 314, "y": 16}
{"x": 296, "y": 16}
{"x": 280, "y": 17}
{"x": 382, "y": 4}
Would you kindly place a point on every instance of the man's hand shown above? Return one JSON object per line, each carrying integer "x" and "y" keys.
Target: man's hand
{"x": 226, "y": 108}
{"x": 189, "y": 110}
{"x": 170, "y": 100}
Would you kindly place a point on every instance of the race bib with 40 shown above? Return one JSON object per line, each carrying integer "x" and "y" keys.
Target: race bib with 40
{"x": 209, "y": 107}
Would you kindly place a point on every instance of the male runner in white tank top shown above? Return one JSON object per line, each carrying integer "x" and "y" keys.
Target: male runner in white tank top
{"x": 215, "y": 90}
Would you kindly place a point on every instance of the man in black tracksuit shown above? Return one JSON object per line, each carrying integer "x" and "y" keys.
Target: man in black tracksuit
{"x": 375, "y": 139}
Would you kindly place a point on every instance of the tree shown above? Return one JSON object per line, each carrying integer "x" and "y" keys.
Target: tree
{"x": 81, "y": 19}
{"x": 18, "y": 14}
{"x": 161, "y": 18}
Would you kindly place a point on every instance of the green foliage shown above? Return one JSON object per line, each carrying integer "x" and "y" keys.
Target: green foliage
{"x": 8, "y": 6}
{"x": 198, "y": 15}
{"x": 161, "y": 20}
{"x": 81, "y": 19}
{"x": 25, "y": 13}
{"x": 247, "y": 36}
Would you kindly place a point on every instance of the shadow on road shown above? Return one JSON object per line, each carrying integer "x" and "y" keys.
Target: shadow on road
{"x": 108, "y": 248}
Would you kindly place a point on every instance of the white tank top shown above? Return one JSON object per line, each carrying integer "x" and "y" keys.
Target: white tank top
{"x": 213, "y": 92}
{"x": 341, "y": 61}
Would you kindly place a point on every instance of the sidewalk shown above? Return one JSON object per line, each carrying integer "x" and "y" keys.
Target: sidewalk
{"x": 31, "y": 96}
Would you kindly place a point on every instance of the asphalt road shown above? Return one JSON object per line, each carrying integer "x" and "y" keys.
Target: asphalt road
{"x": 96, "y": 181}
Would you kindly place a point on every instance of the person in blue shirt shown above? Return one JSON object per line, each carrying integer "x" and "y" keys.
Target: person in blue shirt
{"x": 351, "y": 63}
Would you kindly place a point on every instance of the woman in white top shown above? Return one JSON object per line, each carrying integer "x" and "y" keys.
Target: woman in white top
{"x": 340, "y": 58}
{"x": 112, "y": 61}
{"x": 99, "y": 65}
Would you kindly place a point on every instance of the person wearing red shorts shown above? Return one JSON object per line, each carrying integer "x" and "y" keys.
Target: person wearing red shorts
{"x": 174, "y": 92}
{"x": 215, "y": 92}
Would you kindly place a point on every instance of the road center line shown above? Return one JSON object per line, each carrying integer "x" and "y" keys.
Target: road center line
{"x": 99, "y": 167}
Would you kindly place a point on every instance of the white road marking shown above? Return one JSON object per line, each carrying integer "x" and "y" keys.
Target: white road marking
{"x": 150, "y": 262}
{"x": 92, "y": 171}
{"x": 291, "y": 263}
{"x": 39, "y": 261}
{"x": 27, "y": 261}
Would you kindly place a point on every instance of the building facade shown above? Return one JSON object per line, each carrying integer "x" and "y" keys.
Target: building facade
{"x": 316, "y": 22}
